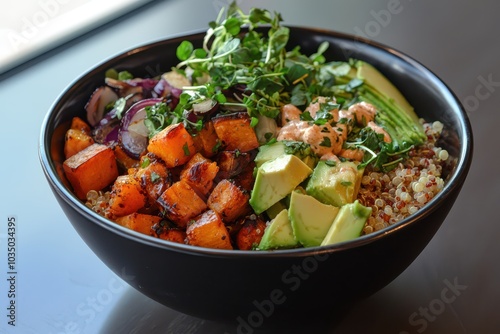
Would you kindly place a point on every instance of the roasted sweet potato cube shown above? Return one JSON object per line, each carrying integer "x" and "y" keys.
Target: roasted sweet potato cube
{"x": 126, "y": 196}
{"x": 93, "y": 168}
{"x": 246, "y": 178}
{"x": 79, "y": 124}
{"x": 232, "y": 163}
{"x": 174, "y": 145}
{"x": 235, "y": 132}
{"x": 250, "y": 233}
{"x": 199, "y": 173}
{"x": 170, "y": 233}
{"x": 181, "y": 203}
{"x": 75, "y": 141}
{"x": 154, "y": 177}
{"x": 139, "y": 222}
{"x": 206, "y": 140}
{"x": 208, "y": 230}
{"x": 229, "y": 201}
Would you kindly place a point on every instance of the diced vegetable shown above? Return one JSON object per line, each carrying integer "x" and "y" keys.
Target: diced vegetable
{"x": 93, "y": 168}
{"x": 208, "y": 230}
{"x": 79, "y": 124}
{"x": 75, "y": 141}
{"x": 165, "y": 231}
{"x": 232, "y": 163}
{"x": 206, "y": 140}
{"x": 174, "y": 145}
{"x": 229, "y": 201}
{"x": 199, "y": 173}
{"x": 154, "y": 177}
{"x": 77, "y": 137}
{"x": 235, "y": 132}
{"x": 246, "y": 178}
{"x": 181, "y": 203}
{"x": 250, "y": 234}
{"x": 139, "y": 222}
{"x": 127, "y": 196}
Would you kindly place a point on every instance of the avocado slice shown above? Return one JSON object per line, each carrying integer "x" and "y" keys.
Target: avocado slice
{"x": 310, "y": 218}
{"x": 335, "y": 184}
{"x": 278, "y": 233}
{"x": 394, "y": 112}
{"x": 276, "y": 179}
{"x": 271, "y": 151}
{"x": 374, "y": 78}
{"x": 348, "y": 223}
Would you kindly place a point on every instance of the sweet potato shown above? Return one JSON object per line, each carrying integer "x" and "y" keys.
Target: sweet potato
{"x": 199, "y": 173}
{"x": 170, "y": 233}
{"x": 250, "y": 233}
{"x": 206, "y": 140}
{"x": 235, "y": 132}
{"x": 93, "y": 168}
{"x": 153, "y": 176}
{"x": 79, "y": 124}
{"x": 174, "y": 145}
{"x": 139, "y": 222}
{"x": 229, "y": 201}
{"x": 181, "y": 203}
{"x": 208, "y": 230}
{"x": 76, "y": 140}
{"x": 232, "y": 163}
{"x": 246, "y": 178}
{"x": 77, "y": 137}
{"x": 126, "y": 196}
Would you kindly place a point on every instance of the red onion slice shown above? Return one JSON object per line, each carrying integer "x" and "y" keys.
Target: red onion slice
{"x": 96, "y": 106}
{"x": 133, "y": 133}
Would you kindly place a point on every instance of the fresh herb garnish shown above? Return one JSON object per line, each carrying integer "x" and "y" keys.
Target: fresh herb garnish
{"x": 185, "y": 148}
{"x": 155, "y": 177}
{"x": 326, "y": 142}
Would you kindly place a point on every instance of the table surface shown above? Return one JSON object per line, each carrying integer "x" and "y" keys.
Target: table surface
{"x": 452, "y": 287}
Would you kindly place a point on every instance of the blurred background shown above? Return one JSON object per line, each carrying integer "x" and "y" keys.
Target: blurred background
{"x": 63, "y": 287}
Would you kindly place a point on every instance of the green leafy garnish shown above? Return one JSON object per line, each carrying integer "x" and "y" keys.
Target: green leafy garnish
{"x": 248, "y": 51}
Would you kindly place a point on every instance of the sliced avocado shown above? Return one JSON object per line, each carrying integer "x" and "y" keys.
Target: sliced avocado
{"x": 275, "y": 179}
{"x": 271, "y": 151}
{"x": 335, "y": 183}
{"x": 348, "y": 224}
{"x": 310, "y": 218}
{"x": 278, "y": 233}
{"x": 394, "y": 112}
{"x": 374, "y": 78}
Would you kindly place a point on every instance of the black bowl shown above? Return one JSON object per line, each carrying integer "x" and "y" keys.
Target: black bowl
{"x": 255, "y": 289}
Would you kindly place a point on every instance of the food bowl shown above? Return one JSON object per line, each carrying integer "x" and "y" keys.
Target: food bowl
{"x": 257, "y": 288}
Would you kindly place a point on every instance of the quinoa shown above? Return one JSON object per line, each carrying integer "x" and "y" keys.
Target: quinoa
{"x": 397, "y": 194}
{"x": 98, "y": 201}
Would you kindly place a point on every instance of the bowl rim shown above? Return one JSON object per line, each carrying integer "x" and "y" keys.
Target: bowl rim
{"x": 456, "y": 179}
